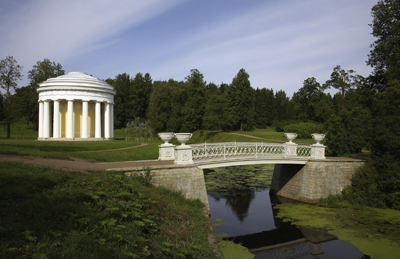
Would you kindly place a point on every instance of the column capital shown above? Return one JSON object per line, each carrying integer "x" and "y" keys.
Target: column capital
{"x": 85, "y": 100}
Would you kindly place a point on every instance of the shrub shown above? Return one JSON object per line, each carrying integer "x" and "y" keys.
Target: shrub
{"x": 279, "y": 125}
{"x": 305, "y": 129}
{"x": 347, "y": 132}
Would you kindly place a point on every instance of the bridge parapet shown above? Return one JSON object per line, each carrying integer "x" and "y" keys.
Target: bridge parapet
{"x": 214, "y": 152}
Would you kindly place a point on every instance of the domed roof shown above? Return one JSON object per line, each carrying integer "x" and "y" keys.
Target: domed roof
{"x": 75, "y": 84}
{"x": 76, "y": 78}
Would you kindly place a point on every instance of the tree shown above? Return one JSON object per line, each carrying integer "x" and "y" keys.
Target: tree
{"x": 217, "y": 110}
{"x": 195, "y": 103}
{"x": 10, "y": 73}
{"x": 385, "y": 54}
{"x": 308, "y": 98}
{"x": 265, "y": 107}
{"x": 44, "y": 70}
{"x": 122, "y": 101}
{"x": 342, "y": 80}
{"x": 241, "y": 98}
{"x": 26, "y": 98}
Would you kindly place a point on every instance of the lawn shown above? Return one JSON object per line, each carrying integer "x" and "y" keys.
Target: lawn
{"x": 47, "y": 213}
{"x": 270, "y": 133}
{"x": 25, "y": 143}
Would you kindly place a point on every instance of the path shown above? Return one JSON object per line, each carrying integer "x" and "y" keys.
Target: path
{"x": 78, "y": 164}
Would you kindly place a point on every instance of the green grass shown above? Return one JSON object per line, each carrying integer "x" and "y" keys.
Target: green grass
{"x": 31, "y": 147}
{"x": 270, "y": 133}
{"x": 47, "y": 213}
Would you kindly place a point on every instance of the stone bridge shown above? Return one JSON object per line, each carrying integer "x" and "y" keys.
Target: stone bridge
{"x": 211, "y": 155}
{"x": 301, "y": 172}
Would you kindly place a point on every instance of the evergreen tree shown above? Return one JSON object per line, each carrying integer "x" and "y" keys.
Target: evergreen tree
{"x": 265, "y": 107}
{"x": 342, "y": 80}
{"x": 282, "y": 105}
{"x": 216, "y": 115}
{"x": 308, "y": 98}
{"x": 194, "y": 107}
{"x": 122, "y": 100}
{"x": 241, "y": 98}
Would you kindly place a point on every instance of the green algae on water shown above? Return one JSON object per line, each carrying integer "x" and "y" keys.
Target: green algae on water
{"x": 234, "y": 251}
{"x": 375, "y": 232}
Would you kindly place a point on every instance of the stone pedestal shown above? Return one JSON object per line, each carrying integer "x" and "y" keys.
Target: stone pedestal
{"x": 183, "y": 155}
{"x": 318, "y": 151}
{"x": 166, "y": 152}
{"x": 291, "y": 149}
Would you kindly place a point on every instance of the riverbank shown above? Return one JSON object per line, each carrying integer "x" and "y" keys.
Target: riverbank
{"x": 375, "y": 232}
{"x": 49, "y": 213}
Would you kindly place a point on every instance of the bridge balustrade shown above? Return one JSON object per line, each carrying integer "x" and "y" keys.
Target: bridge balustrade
{"x": 247, "y": 150}
{"x": 236, "y": 151}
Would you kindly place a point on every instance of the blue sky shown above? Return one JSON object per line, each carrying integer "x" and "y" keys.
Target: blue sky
{"x": 279, "y": 43}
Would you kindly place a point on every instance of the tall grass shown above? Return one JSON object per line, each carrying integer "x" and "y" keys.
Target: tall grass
{"x": 47, "y": 213}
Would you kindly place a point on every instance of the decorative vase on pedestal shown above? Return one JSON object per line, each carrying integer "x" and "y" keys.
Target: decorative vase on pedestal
{"x": 183, "y": 153}
{"x": 291, "y": 148}
{"x": 166, "y": 150}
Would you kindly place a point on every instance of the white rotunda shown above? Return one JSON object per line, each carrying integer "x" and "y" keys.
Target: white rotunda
{"x": 76, "y": 106}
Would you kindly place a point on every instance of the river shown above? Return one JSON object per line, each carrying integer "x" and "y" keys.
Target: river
{"x": 247, "y": 216}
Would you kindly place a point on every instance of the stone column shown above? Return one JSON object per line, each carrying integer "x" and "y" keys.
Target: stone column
{"x": 112, "y": 121}
{"x": 56, "y": 119}
{"x": 40, "y": 119}
{"x": 46, "y": 119}
{"x": 107, "y": 118}
{"x": 85, "y": 118}
{"x": 70, "y": 121}
{"x": 97, "y": 120}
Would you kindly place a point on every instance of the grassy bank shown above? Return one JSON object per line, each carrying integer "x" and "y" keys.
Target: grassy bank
{"x": 375, "y": 232}
{"x": 46, "y": 213}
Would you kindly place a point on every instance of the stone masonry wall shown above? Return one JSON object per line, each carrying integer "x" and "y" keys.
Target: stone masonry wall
{"x": 188, "y": 179}
{"x": 314, "y": 180}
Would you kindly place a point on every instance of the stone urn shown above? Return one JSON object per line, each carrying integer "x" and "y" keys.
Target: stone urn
{"x": 183, "y": 137}
{"x": 166, "y": 136}
{"x": 318, "y": 137}
{"x": 290, "y": 136}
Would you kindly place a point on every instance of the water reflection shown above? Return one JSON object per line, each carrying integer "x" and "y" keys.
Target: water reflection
{"x": 250, "y": 221}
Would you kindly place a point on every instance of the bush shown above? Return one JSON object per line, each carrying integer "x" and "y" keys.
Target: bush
{"x": 305, "y": 129}
{"x": 347, "y": 132}
{"x": 375, "y": 187}
{"x": 279, "y": 125}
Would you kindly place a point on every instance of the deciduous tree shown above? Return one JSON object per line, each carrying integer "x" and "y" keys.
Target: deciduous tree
{"x": 10, "y": 73}
{"x": 385, "y": 54}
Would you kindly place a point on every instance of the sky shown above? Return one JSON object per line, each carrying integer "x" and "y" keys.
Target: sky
{"x": 278, "y": 43}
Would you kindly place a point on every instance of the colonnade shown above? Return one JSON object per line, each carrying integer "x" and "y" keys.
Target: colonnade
{"x": 103, "y": 129}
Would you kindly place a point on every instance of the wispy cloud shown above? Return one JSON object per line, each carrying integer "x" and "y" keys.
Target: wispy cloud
{"x": 279, "y": 43}
{"x": 65, "y": 29}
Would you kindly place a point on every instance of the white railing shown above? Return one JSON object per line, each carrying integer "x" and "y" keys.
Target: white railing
{"x": 214, "y": 152}
{"x": 247, "y": 150}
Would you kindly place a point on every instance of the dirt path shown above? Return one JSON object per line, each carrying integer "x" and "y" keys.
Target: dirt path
{"x": 122, "y": 148}
{"x": 78, "y": 164}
